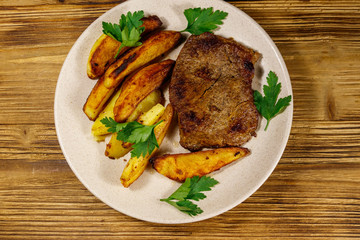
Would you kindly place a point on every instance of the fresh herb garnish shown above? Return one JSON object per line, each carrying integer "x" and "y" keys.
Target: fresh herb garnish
{"x": 190, "y": 190}
{"x": 128, "y": 31}
{"x": 142, "y": 137}
{"x": 268, "y": 106}
{"x": 203, "y": 20}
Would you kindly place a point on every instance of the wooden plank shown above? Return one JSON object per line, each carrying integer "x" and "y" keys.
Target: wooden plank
{"x": 314, "y": 192}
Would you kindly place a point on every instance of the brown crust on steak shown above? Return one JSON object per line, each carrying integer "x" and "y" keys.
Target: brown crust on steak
{"x": 211, "y": 91}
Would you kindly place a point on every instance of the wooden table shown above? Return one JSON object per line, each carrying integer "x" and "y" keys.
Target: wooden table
{"x": 313, "y": 193}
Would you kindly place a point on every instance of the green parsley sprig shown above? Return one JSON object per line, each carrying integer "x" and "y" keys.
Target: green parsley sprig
{"x": 267, "y": 105}
{"x": 191, "y": 189}
{"x": 128, "y": 31}
{"x": 142, "y": 137}
{"x": 202, "y": 20}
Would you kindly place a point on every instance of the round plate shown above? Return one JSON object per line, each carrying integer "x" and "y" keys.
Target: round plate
{"x": 101, "y": 175}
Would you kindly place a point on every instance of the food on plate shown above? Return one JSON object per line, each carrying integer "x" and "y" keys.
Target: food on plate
{"x": 153, "y": 47}
{"x": 136, "y": 165}
{"x": 99, "y": 130}
{"x": 137, "y": 87}
{"x": 152, "y": 99}
{"x": 128, "y": 31}
{"x": 102, "y": 53}
{"x": 117, "y": 148}
{"x": 151, "y": 116}
{"x": 186, "y": 165}
{"x": 97, "y": 99}
{"x": 211, "y": 91}
{"x": 191, "y": 190}
{"x": 268, "y": 105}
{"x": 202, "y": 20}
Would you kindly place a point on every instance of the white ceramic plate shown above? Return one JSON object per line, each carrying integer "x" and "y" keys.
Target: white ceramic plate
{"x": 101, "y": 175}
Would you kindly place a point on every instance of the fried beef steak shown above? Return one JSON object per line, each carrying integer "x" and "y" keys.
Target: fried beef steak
{"x": 210, "y": 90}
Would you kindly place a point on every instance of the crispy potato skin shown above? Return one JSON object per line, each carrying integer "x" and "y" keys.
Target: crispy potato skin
{"x": 136, "y": 166}
{"x": 97, "y": 99}
{"x": 136, "y": 88}
{"x": 157, "y": 44}
{"x": 102, "y": 53}
{"x": 153, "y": 47}
{"x": 186, "y": 165}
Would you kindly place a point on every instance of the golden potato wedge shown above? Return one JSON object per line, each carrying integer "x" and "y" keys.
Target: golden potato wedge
{"x": 152, "y": 116}
{"x": 154, "y": 46}
{"x": 154, "y": 98}
{"x": 98, "y": 97}
{"x": 157, "y": 44}
{"x": 148, "y": 118}
{"x": 136, "y": 88}
{"x": 116, "y": 148}
{"x": 99, "y": 130}
{"x": 136, "y": 166}
{"x": 186, "y": 165}
{"x": 102, "y": 53}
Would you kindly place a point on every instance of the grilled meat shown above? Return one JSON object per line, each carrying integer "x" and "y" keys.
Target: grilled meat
{"x": 210, "y": 90}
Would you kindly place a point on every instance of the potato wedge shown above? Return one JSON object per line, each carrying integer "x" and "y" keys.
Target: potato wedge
{"x": 152, "y": 116}
{"x": 154, "y": 98}
{"x": 102, "y": 53}
{"x": 157, "y": 44}
{"x": 148, "y": 118}
{"x": 136, "y": 88}
{"x": 154, "y": 46}
{"x": 136, "y": 166}
{"x": 186, "y": 165}
{"x": 98, "y": 97}
{"x": 99, "y": 131}
{"x": 116, "y": 148}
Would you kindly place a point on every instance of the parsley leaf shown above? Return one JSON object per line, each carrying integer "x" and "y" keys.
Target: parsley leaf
{"x": 267, "y": 105}
{"x": 112, "y": 30}
{"x": 148, "y": 146}
{"x": 112, "y": 125}
{"x": 128, "y": 31}
{"x": 143, "y": 137}
{"x": 189, "y": 207}
{"x": 203, "y": 20}
{"x": 191, "y": 189}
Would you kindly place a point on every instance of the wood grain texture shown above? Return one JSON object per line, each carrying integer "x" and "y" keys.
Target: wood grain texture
{"x": 314, "y": 193}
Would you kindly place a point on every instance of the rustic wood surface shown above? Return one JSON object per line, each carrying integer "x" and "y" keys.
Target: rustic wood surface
{"x": 314, "y": 192}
